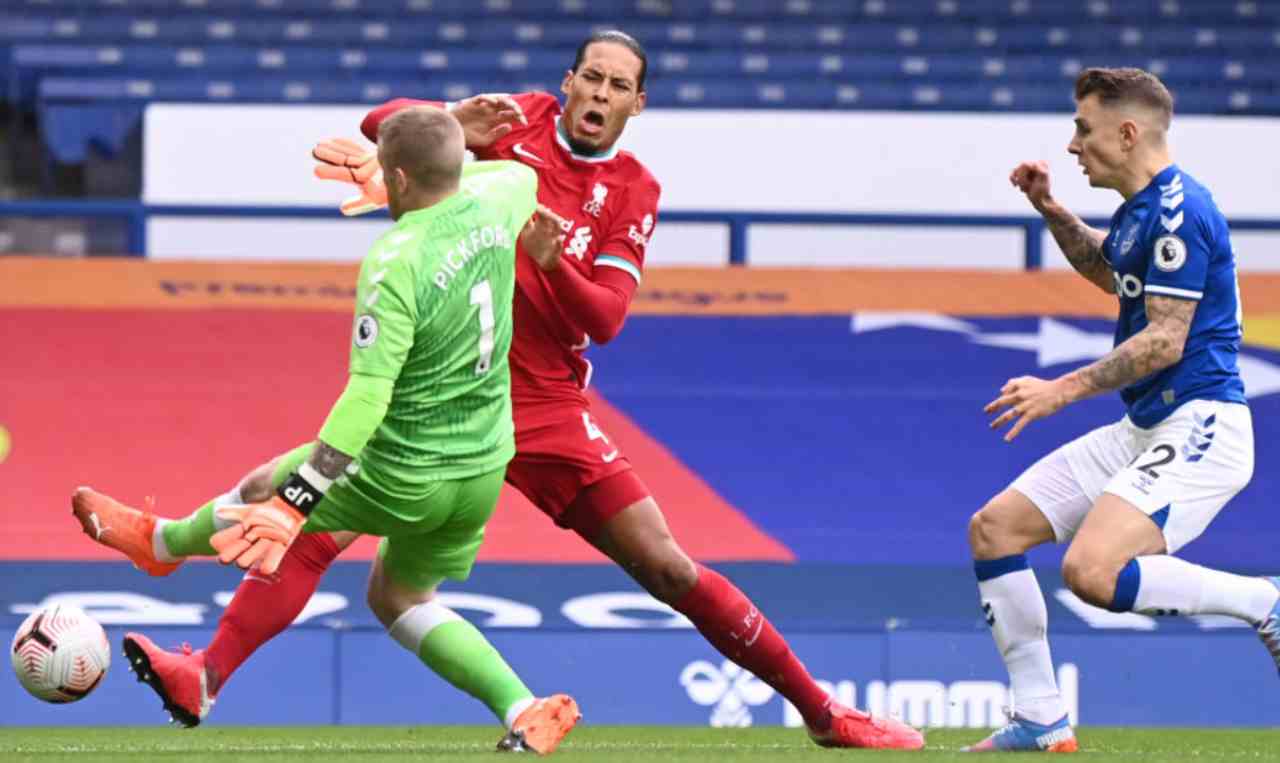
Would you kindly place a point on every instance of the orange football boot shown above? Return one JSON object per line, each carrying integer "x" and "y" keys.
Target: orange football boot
{"x": 121, "y": 527}
{"x": 542, "y": 726}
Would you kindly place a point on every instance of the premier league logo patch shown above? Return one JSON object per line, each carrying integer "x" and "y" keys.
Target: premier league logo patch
{"x": 1170, "y": 253}
{"x": 366, "y": 330}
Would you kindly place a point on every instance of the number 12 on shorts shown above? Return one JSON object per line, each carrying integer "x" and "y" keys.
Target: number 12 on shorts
{"x": 594, "y": 433}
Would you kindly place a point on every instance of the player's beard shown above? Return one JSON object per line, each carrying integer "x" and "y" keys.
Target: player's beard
{"x": 582, "y": 148}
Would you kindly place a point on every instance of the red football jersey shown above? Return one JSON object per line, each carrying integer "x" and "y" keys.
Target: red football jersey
{"x": 611, "y": 203}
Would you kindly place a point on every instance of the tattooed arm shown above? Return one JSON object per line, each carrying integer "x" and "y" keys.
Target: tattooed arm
{"x": 260, "y": 533}
{"x": 1081, "y": 244}
{"x": 1153, "y": 349}
{"x": 328, "y": 460}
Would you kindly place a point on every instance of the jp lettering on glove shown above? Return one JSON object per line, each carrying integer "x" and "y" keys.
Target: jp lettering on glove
{"x": 263, "y": 532}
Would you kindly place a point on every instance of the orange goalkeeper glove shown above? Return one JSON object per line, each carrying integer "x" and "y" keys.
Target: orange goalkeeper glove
{"x": 349, "y": 162}
{"x": 263, "y": 532}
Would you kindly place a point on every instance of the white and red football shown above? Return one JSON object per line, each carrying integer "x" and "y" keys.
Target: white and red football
{"x": 60, "y": 653}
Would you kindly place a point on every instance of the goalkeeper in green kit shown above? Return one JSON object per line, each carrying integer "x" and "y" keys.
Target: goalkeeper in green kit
{"x": 415, "y": 449}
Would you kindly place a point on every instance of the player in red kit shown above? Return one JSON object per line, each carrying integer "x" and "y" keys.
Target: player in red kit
{"x": 564, "y": 463}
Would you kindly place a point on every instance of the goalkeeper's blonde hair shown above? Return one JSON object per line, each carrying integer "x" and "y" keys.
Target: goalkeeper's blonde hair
{"x": 427, "y": 143}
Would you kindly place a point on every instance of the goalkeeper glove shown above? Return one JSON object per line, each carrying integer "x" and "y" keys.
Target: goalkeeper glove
{"x": 349, "y": 162}
{"x": 263, "y": 532}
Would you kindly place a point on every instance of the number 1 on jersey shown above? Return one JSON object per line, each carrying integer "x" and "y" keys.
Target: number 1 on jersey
{"x": 482, "y": 296}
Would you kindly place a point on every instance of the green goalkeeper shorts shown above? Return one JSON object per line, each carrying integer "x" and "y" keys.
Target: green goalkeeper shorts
{"x": 423, "y": 540}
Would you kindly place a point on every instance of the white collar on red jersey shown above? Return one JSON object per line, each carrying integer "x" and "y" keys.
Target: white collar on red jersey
{"x": 604, "y": 156}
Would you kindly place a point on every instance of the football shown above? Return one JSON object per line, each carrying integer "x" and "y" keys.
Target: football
{"x": 60, "y": 654}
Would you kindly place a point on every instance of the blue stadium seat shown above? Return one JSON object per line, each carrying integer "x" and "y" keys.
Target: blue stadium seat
{"x": 762, "y": 64}
{"x": 1026, "y": 11}
{"x": 1147, "y": 12}
{"x": 512, "y": 32}
{"x": 788, "y": 95}
{"x": 962, "y": 54}
{"x": 1187, "y": 70}
{"x": 1256, "y": 72}
{"x": 953, "y": 67}
{"x": 14, "y": 28}
{"x": 1050, "y": 69}
{"x": 1022, "y": 97}
{"x": 1260, "y": 39}
{"x": 350, "y": 8}
{"x": 1184, "y": 38}
{"x": 926, "y": 93}
{"x": 935, "y": 37}
{"x": 1252, "y": 101}
{"x": 548, "y": 64}
{"x": 282, "y": 89}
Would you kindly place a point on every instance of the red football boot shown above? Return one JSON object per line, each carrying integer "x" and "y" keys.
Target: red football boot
{"x": 854, "y": 728}
{"x": 178, "y": 677}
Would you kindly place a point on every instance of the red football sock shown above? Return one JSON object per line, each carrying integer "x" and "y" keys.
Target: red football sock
{"x": 733, "y": 625}
{"x": 263, "y": 607}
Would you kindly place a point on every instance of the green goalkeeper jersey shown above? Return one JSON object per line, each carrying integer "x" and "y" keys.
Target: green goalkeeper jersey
{"x": 433, "y": 314}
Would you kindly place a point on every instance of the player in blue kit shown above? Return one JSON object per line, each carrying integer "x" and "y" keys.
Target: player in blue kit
{"x": 1128, "y": 495}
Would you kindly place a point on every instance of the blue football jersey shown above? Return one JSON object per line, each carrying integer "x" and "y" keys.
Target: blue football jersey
{"x": 1170, "y": 239}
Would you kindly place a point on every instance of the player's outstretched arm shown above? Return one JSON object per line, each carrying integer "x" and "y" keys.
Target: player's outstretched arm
{"x": 263, "y": 532}
{"x": 369, "y": 125}
{"x": 485, "y": 118}
{"x": 1149, "y": 351}
{"x": 349, "y": 162}
{"x": 1081, "y": 243}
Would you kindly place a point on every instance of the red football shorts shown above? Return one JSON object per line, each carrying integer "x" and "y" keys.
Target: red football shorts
{"x": 571, "y": 470}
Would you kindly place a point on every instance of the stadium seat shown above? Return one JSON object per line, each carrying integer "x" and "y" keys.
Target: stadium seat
{"x": 1220, "y": 55}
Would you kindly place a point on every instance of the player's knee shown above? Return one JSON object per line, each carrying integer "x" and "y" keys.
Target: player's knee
{"x": 376, "y": 599}
{"x": 388, "y": 600}
{"x": 382, "y": 601}
{"x": 668, "y": 576}
{"x": 1090, "y": 578}
{"x": 984, "y": 534}
{"x": 344, "y": 538}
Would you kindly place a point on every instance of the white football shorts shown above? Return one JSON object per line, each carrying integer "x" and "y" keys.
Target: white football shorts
{"x": 1181, "y": 472}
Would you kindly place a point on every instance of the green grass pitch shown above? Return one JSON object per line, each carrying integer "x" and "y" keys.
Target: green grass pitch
{"x": 357, "y": 744}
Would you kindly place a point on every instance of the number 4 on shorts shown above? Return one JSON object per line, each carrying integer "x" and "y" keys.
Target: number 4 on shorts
{"x": 594, "y": 433}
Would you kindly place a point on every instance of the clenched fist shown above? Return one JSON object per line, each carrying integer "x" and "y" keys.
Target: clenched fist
{"x": 1032, "y": 178}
